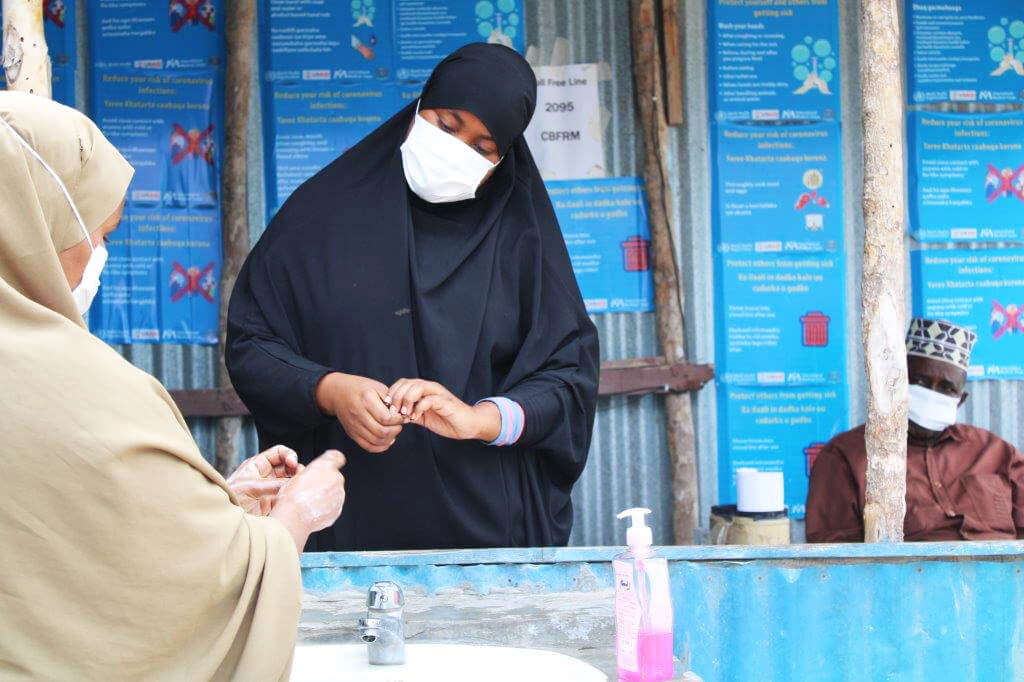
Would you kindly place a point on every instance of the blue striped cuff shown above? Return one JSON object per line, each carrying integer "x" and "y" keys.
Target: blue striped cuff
{"x": 513, "y": 421}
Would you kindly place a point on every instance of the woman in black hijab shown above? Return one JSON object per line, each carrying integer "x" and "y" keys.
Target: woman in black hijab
{"x": 413, "y": 305}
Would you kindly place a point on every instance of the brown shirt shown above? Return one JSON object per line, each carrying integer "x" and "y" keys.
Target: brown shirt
{"x": 969, "y": 485}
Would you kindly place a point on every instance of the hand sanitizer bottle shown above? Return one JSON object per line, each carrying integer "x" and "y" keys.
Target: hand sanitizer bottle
{"x": 643, "y": 607}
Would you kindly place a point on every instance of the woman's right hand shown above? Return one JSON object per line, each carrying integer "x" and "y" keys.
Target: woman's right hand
{"x": 358, "y": 404}
{"x": 313, "y": 498}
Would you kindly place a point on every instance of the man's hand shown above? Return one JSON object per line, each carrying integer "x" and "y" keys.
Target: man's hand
{"x": 434, "y": 407}
{"x": 358, "y": 404}
{"x": 257, "y": 480}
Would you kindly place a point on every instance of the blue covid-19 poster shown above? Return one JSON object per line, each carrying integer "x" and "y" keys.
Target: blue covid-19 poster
{"x": 310, "y": 40}
{"x": 967, "y": 51}
{"x": 361, "y": 40}
{"x": 156, "y": 34}
{"x": 777, "y": 429}
{"x": 779, "y": 263}
{"x": 777, "y": 237}
{"x": 158, "y": 96}
{"x": 161, "y": 283}
{"x": 59, "y": 31}
{"x": 982, "y": 290}
{"x": 427, "y": 31}
{"x": 604, "y": 223}
{"x": 309, "y": 124}
{"x": 774, "y": 61}
{"x": 777, "y": 188}
{"x": 781, "y": 319}
{"x": 966, "y": 176}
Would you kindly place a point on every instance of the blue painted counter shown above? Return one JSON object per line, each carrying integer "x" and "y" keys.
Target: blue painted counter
{"x": 922, "y": 611}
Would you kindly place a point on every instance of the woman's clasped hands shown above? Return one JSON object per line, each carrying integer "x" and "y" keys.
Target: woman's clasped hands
{"x": 373, "y": 414}
{"x": 434, "y": 407}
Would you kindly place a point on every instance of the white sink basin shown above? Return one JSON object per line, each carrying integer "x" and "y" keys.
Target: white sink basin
{"x": 440, "y": 662}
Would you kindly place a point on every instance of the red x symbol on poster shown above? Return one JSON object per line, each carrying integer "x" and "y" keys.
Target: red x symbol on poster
{"x": 54, "y": 11}
{"x": 191, "y": 16}
{"x": 1013, "y": 317}
{"x": 193, "y": 282}
{"x": 192, "y": 143}
{"x": 1008, "y": 183}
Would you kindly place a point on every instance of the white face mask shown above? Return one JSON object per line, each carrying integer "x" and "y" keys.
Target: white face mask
{"x": 931, "y": 410}
{"x": 87, "y": 289}
{"x": 440, "y": 168}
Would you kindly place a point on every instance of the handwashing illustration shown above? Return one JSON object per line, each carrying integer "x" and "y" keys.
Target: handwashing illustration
{"x": 1003, "y": 40}
{"x": 362, "y": 12}
{"x": 822, "y": 60}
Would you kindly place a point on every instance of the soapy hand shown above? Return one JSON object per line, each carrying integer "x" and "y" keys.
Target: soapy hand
{"x": 258, "y": 479}
{"x": 434, "y": 407}
{"x": 360, "y": 407}
{"x": 314, "y": 497}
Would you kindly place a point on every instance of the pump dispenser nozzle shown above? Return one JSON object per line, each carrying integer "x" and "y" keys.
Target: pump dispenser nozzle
{"x": 638, "y": 534}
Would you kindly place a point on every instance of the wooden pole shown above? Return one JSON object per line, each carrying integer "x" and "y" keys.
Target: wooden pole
{"x": 667, "y": 294}
{"x": 239, "y": 30}
{"x": 26, "y": 59}
{"x": 673, "y": 62}
{"x": 882, "y": 294}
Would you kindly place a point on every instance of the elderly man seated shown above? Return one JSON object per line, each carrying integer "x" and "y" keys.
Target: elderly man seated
{"x": 963, "y": 483}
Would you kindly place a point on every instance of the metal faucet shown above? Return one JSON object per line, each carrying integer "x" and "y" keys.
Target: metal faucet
{"x": 383, "y": 629}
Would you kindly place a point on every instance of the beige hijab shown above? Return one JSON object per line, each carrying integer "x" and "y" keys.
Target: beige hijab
{"x": 122, "y": 554}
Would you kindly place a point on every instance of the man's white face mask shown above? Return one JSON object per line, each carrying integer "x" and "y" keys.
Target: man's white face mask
{"x": 440, "y": 168}
{"x": 931, "y": 410}
{"x": 87, "y": 289}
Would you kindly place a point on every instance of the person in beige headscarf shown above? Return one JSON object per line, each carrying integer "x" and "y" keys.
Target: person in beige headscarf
{"x": 123, "y": 553}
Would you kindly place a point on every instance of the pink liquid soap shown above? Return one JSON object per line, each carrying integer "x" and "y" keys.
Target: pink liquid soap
{"x": 655, "y": 659}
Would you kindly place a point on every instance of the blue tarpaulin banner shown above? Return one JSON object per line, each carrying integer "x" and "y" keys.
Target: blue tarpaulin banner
{"x": 982, "y": 290}
{"x": 777, "y": 429}
{"x": 59, "y": 31}
{"x": 604, "y": 222}
{"x": 774, "y": 61}
{"x": 161, "y": 284}
{"x": 966, "y": 176}
{"x": 965, "y": 51}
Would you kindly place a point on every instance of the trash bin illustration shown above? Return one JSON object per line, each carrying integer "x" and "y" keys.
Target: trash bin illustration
{"x": 810, "y": 454}
{"x": 815, "y": 329}
{"x": 634, "y": 251}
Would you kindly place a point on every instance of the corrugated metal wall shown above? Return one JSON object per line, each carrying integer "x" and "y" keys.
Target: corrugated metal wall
{"x": 629, "y": 459}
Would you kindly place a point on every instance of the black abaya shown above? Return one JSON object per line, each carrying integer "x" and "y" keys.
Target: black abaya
{"x": 356, "y": 274}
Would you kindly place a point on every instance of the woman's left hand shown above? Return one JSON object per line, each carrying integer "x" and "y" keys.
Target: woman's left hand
{"x": 434, "y": 407}
{"x": 257, "y": 480}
